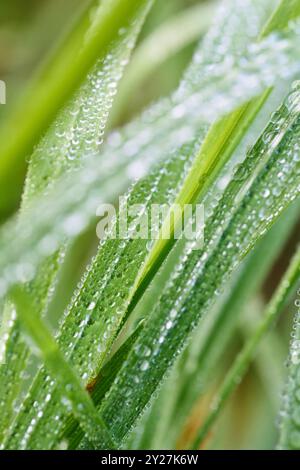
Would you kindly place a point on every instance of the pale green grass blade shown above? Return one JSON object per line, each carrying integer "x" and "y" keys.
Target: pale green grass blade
{"x": 55, "y": 85}
{"x": 147, "y": 304}
{"x": 73, "y": 395}
{"x": 93, "y": 301}
{"x": 269, "y": 362}
{"x": 261, "y": 66}
{"x": 78, "y": 130}
{"x": 162, "y": 44}
{"x": 154, "y": 431}
{"x": 198, "y": 280}
{"x": 211, "y": 339}
{"x": 286, "y": 10}
{"x": 267, "y": 132}
{"x": 217, "y": 147}
{"x": 287, "y": 286}
{"x": 86, "y": 192}
{"x": 231, "y": 38}
{"x": 289, "y": 424}
{"x": 75, "y": 227}
{"x": 13, "y": 362}
{"x": 72, "y": 216}
{"x": 96, "y": 307}
{"x": 73, "y": 434}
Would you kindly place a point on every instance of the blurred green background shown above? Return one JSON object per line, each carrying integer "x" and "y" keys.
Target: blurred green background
{"x": 28, "y": 31}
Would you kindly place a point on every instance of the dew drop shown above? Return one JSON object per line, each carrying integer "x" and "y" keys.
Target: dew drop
{"x": 144, "y": 366}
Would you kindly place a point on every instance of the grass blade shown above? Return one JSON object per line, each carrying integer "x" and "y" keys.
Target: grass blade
{"x": 86, "y": 191}
{"x": 289, "y": 425}
{"x": 78, "y": 130}
{"x": 286, "y": 10}
{"x": 95, "y": 306}
{"x": 162, "y": 44}
{"x": 210, "y": 341}
{"x": 85, "y": 299}
{"x": 170, "y": 323}
{"x": 72, "y": 391}
{"x": 73, "y": 434}
{"x": 241, "y": 364}
{"x": 45, "y": 97}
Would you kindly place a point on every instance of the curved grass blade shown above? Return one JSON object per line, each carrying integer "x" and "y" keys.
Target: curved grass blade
{"x": 154, "y": 430}
{"x": 198, "y": 280}
{"x": 289, "y": 424}
{"x": 267, "y": 132}
{"x": 286, "y": 10}
{"x": 62, "y": 141}
{"x": 96, "y": 307}
{"x": 90, "y": 282}
{"x": 73, "y": 434}
{"x": 162, "y": 44}
{"x": 210, "y": 341}
{"x": 274, "y": 51}
{"x": 69, "y": 214}
{"x": 268, "y": 364}
{"x": 73, "y": 394}
{"x": 287, "y": 286}
{"x": 86, "y": 187}
{"x": 195, "y": 368}
{"x": 58, "y": 81}
{"x": 78, "y": 130}
{"x": 12, "y": 364}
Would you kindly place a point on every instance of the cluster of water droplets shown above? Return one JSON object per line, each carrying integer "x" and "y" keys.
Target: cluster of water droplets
{"x": 227, "y": 40}
{"x": 239, "y": 79}
{"x": 75, "y": 200}
{"x": 200, "y": 276}
{"x": 7, "y": 321}
{"x": 289, "y": 416}
{"x": 142, "y": 140}
{"x": 90, "y": 324}
{"x": 79, "y": 128}
{"x": 77, "y": 131}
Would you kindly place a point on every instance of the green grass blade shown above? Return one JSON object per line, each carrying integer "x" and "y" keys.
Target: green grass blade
{"x": 289, "y": 424}
{"x": 199, "y": 280}
{"x": 210, "y": 341}
{"x": 12, "y": 364}
{"x": 95, "y": 306}
{"x": 56, "y": 143}
{"x": 76, "y": 228}
{"x": 73, "y": 434}
{"x": 86, "y": 186}
{"x": 287, "y": 10}
{"x": 80, "y": 127}
{"x": 287, "y": 286}
{"x": 269, "y": 361}
{"x": 73, "y": 394}
{"x": 162, "y": 44}
{"x": 79, "y": 300}
{"x": 56, "y": 84}
{"x": 77, "y": 131}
